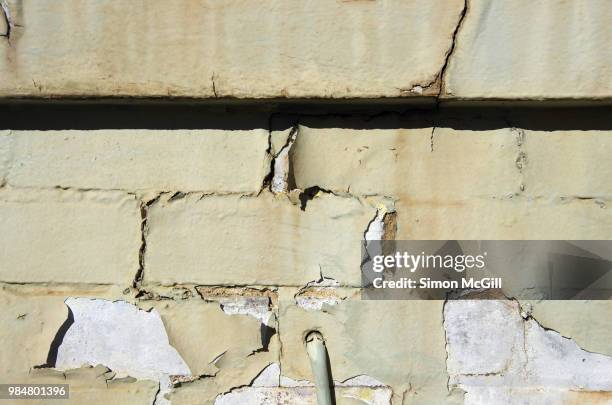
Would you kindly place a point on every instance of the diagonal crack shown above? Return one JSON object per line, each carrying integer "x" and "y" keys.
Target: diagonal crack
{"x": 7, "y": 20}
{"x": 438, "y": 79}
{"x": 450, "y": 51}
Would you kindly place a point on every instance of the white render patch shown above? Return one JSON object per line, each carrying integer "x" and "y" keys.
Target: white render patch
{"x": 266, "y": 389}
{"x": 318, "y": 293}
{"x": 257, "y": 307}
{"x": 470, "y": 344}
{"x": 314, "y": 299}
{"x": 242, "y": 301}
{"x": 269, "y": 377}
{"x": 417, "y": 90}
{"x": 376, "y": 228}
{"x": 376, "y": 231}
{"x": 280, "y": 179}
{"x": 494, "y": 354}
{"x": 126, "y": 339}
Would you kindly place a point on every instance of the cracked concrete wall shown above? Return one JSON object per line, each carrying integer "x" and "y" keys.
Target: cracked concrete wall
{"x": 225, "y": 42}
{"x": 232, "y": 271}
{"x": 183, "y": 259}
{"x": 191, "y": 160}
{"x": 498, "y": 356}
{"x": 456, "y": 49}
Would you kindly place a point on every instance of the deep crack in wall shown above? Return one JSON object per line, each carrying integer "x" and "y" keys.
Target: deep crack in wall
{"x": 186, "y": 187}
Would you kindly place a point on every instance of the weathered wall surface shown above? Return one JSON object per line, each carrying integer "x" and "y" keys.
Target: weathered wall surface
{"x": 175, "y": 258}
{"x": 241, "y": 241}
{"x": 470, "y": 49}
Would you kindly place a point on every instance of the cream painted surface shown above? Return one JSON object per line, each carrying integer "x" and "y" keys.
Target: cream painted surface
{"x": 154, "y": 160}
{"x": 236, "y": 48}
{"x": 532, "y": 50}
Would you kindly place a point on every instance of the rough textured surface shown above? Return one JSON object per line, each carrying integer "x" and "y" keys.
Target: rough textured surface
{"x": 270, "y": 387}
{"x": 207, "y": 161}
{"x": 523, "y": 49}
{"x": 423, "y": 164}
{"x": 130, "y": 341}
{"x": 237, "y": 48}
{"x": 195, "y": 326}
{"x": 121, "y": 336}
{"x": 82, "y": 237}
{"x": 585, "y": 322}
{"x": 185, "y": 175}
{"x": 96, "y": 385}
{"x": 236, "y": 231}
{"x": 512, "y": 218}
{"x": 416, "y": 353}
{"x": 492, "y": 350}
{"x": 239, "y": 271}
{"x": 31, "y": 317}
{"x": 566, "y": 163}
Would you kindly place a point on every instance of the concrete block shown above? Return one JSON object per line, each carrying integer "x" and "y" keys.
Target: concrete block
{"x": 233, "y": 48}
{"x": 532, "y": 50}
{"x": 267, "y": 240}
{"x": 424, "y": 164}
{"x": 62, "y": 236}
{"x": 179, "y": 160}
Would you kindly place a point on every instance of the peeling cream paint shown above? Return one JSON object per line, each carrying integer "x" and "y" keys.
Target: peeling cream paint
{"x": 242, "y": 301}
{"x": 270, "y": 387}
{"x": 126, "y": 339}
{"x": 494, "y": 353}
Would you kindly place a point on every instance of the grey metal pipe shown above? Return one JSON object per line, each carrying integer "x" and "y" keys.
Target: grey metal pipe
{"x": 315, "y": 347}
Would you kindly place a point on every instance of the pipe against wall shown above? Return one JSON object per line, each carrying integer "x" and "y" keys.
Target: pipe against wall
{"x": 315, "y": 347}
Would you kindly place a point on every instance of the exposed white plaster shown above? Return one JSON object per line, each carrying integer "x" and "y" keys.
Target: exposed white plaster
{"x": 165, "y": 386}
{"x": 282, "y": 162}
{"x": 242, "y": 301}
{"x": 265, "y": 389}
{"x": 124, "y": 338}
{"x": 267, "y": 396}
{"x": 494, "y": 354}
{"x": 556, "y": 361}
{"x": 417, "y": 90}
{"x": 319, "y": 297}
{"x": 257, "y": 307}
{"x": 376, "y": 228}
{"x": 269, "y": 377}
{"x": 290, "y": 382}
{"x": 318, "y": 293}
{"x": 468, "y": 334}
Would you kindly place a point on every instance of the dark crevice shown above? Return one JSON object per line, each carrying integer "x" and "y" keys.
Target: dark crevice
{"x": 308, "y": 194}
{"x": 57, "y": 341}
{"x": 353, "y": 114}
{"x": 7, "y": 20}
{"x": 144, "y": 227}
{"x": 431, "y": 139}
{"x": 177, "y": 196}
{"x": 290, "y": 173}
{"x": 449, "y": 54}
{"x": 266, "y": 335}
{"x": 214, "y": 87}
